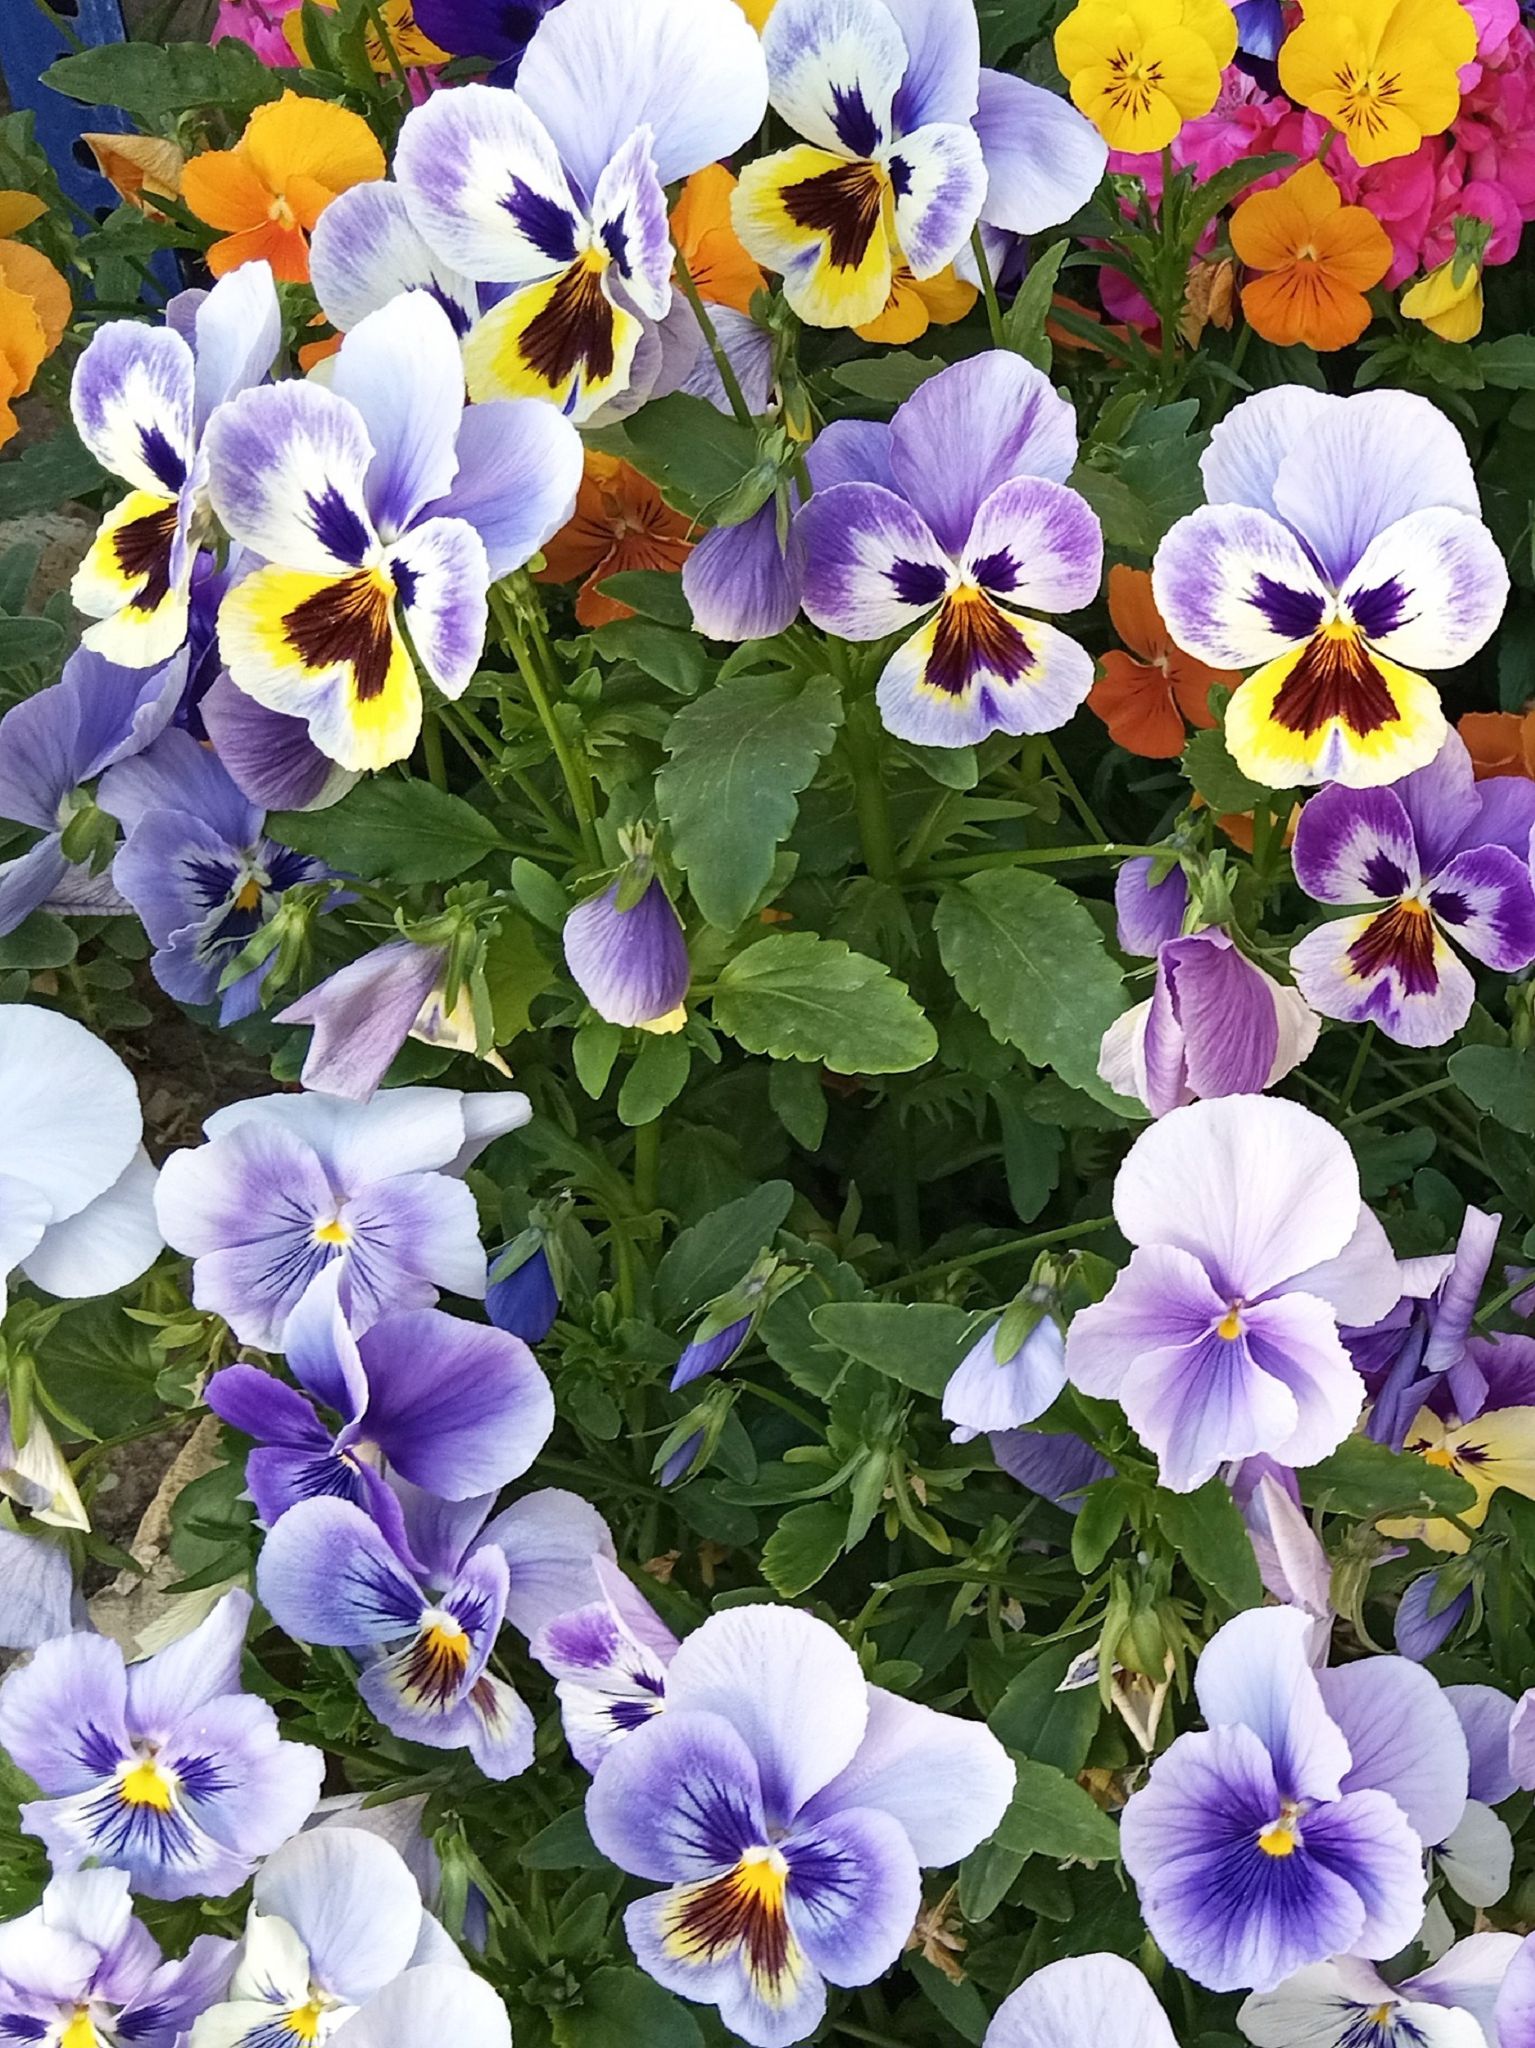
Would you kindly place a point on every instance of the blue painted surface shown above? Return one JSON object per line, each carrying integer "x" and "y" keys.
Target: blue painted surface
{"x": 29, "y": 43}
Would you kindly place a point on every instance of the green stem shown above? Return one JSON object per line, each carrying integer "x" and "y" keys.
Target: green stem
{"x": 58, "y": 22}
{"x": 1039, "y": 857}
{"x": 717, "y": 349}
{"x": 647, "y": 1165}
{"x": 866, "y": 766}
{"x": 1074, "y": 796}
{"x": 1356, "y": 1071}
{"x": 381, "y": 29}
{"x": 988, "y": 289}
{"x": 1368, "y": 1116}
{"x": 577, "y": 780}
{"x": 431, "y": 743}
{"x": 1014, "y": 1245}
{"x": 1502, "y": 1300}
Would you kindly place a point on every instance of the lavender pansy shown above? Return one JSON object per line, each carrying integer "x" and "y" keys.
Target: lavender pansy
{"x": 268, "y": 755}
{"x": 1421, "y": 1627}
{"x": 1442, "y": 861}
{"x": 1082, "y": 1999}
{"x": 1220, "y": 1337}
{"x": 364, "y": 1012}
{"x": 37, "y": 1590}
{"x": 522, "y": 1297}
{"x": 978, "y": 531}
{"x": 609, "y": 1661}
{"x": 1051, "y": 1462}
{"x": 76, "y": 1185}
{"x": 787, "y": 1808}
{"x": 1343, "y": 2003}
{"x": 163, "y": 1768}
{"x": 142, "y": 400}
{"x": 1282, "y": 1837}
{"x": 380, "y": 510}
{"x": 53, "y": 743}
{"x": 287, "y": 1184}
{"x": 987, "y": 1394}
{"x": 1428, "y": 1351}
{"x": 451, "y": 1406}
{"x": 627, "y": 954}
{"x": 1341, "y": 551}
{"x": 1148, "y": 911}
{"x": 79, "y": 1968}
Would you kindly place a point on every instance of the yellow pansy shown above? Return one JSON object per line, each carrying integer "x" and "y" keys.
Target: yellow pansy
{"x": 412, "y": 46}
{"x": 1139, "y": 69}
{"x": 1498, "y": 1449}
{"x": 1448, "y": 301}
{"x": 1384, "y": 72}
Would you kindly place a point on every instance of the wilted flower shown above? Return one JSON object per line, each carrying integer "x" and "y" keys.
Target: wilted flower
{"x": 364, "y": 1012}
{"x": 162, "y": 1768}
{"x": 1385, "y": 75}
{"x": 266, "y": 193}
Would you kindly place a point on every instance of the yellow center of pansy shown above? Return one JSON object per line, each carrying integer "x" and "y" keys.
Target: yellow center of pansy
{"x": 1441, "y": 1456}
{"x": 145, "y": 1784}
{"x": 81, "y": 2030}
{"x": 334, "y": 1232}
{"x": 1282, "y": 1836}
{"x": 1134, "y": 81}
{"x": 1230, "y": 1325}
{"x": 303, "y": 2021}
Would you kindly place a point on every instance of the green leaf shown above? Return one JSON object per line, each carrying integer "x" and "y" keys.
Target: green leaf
{"x": 516, "y": 974}
{"x": 800, "y": 997}
{"x": 889, "y": 379}
{"x": 918, "y": 1343}
{"x": 1209, "y": 766}
{"x": 593, "y": 1050}
{"x": 1500, "y": 1081}
{"x": 1030, "y": 958}
{"x": 150, "y": 81}
{"x": 678, "y": 660}
{"x": 701, "y": 461}
{"x": 1206, "y": 1530}
{"x": 24, "y": 641}
{"x": 799, "y": 1102}
{"x": 1036, "y": 1717}
{"x": 1508, "y": 362}
{"x": 392, "y": 829}
{"x": 985, "y": 1878}
{"x": 1367, "y": 1479}
{"x": 41, "y": 940}
{"x": 541, "y": 896}
{"x": 804, "y": 1547}
{"x": 1052, "y": 1816}
{"x": 740, "y": 756}
{"x": 653, "y": 593}
{"x": 58, "y": 468}
{"x": 958, "y": 2002}
{"x": 714, "y": 1253}
{"x": 1023, "y": 325}
{"x": 100, "y": 1367}
{"x": 566, "y": 1844}
{"x": 655, "y": 1079}
{"x": 621, "y": 2007}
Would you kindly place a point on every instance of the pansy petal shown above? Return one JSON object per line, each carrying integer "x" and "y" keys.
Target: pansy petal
{"x": 287, "y": 475}
{"x": 519, "y": 469}
{"x": 1235, "y": 587}
{"x": 422, "y": 2007}
{"x": 1356, "y": 846}
{"x": 970, "y": 429}
{"x": 1404, "y": 1737}
{"x": 872, "y": 564}
{"x": 1468, "y": 1976}
{"x": 1036, "y": 543}
{"x": 977, "y": 669}
{"x": 485, "y": 187}
{"x": 1201, "y": 1404}
{"x": 62, "y": 1713}
{"x": 327, "y": 1575}
{"x": 37, "y": 1586}
{"x": 366, "y": 249}
{"x": 678, "y": 1800}
{"x": 833, "y": 70}
{"x": 1484, "y": 1715}
{"x": 850, "y": 452}
{"x": 68, "y": 1107}
{"x": 853, "y": 1895}
{"x": 1430, "y": 590}
{"x": 1247, "y": 447}
{"x": 940, "y": 182}
{"x": 181, "y": 1679}
{"x": 1082, "y": 1998}
{"x": 562, "y": 340}
{"x": 629, "y": 214}
{"x": 354, "y": 1901}
{"x": 105, "y": 1245}
{"x": 456, "y": 1407}
{"x": 1043, "y": 159}
{"x": 819, "y": 220}
{"x": 1365, "y": 1839}
{"x": 550, "y": 1540}
{"x": 766, "y": 1989}
{"x": 403, "y": 371}
{"x": 1163, "y": 1297}
{"x": 135, "y": 579}
{"x": 691, "y": 71}
{"x": 1333, "y": 711}
{"x": 740, "y": 583}
{"x": 441, "y": 577}
{"x": 1484, "y": 899}
{"x": 238, "y": 329}
{"x": 417, "y": 1689}
{"x": 1393, "y": 968}
{"x": 1477, "y": 1858}
{"x": 132, "y": 404}
{"x": 270, "y": 757}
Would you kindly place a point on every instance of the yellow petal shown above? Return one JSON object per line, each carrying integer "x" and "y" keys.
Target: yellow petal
{"x": 18, "y": 210}
{"x": 823, "y": 222}
{"x": 293, "y": 137}
{"x": 1346, "y": 744}
{"x": 139, "y": 167}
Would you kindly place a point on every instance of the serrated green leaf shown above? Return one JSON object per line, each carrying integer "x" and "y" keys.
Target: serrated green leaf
{"x": 700, "y": 460}
{"x": 713, "y": 1253}
{"x": 740, "y": 756}
{"x": 653, "y": 593}
{"x": 619, "y": 2008}
{"x": 799, "y": 997}
{"x": 1366, "y": 1478}
{"x": 677, "y": 659}
{"x": 1501, "y": 1081}
{"x": 918, "y": 1343}
{"x": 392, "y": 829}
{"x": 41, "y": 940}
{"x": 804, "y": 1547}
{"x": 566, "y": 1844}
{"x": 45, "y": 475}
{"x": 1023, "y": 325}
{"x": 1206, "y": 1530}
{"x": 799, "y": 1102}
{"x": 889, "y": 379}
{"x": 1050, "y": 1815}
{"x": 1208, "y": 765}
{"x": 150, "y": 81}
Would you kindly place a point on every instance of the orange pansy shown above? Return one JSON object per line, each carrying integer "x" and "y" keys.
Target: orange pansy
{"x": 1499, "y": 742}
{"x": 267, "y": 192}
{"x": 23, "y": 345}
{"x": 620, "y": 522}
{"x": 140, "y": 168}
{"x": 702, "y": 231}
{"x": 916, "y": 303}
{"x": 1145, "y": 696}
{"x": 35, "y": 305}
{"x": 1319, "y": 258}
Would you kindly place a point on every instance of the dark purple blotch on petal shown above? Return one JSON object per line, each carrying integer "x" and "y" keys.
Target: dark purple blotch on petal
{"x": 917, "y": 583}
{"x": 856, "y": 127}
{"x": 337, "y": 526}
{"x": 546, "y": 224}
{"x": 1295, "y": 614}
{"x": 1380, "y": 610}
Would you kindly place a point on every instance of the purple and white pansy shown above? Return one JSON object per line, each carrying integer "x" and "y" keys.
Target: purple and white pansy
{"x": 976, "y": 532}
{"x": 1346, "y": 2002}
{"x": 608, "y": 1660}
{"x": 1445, "y": 859}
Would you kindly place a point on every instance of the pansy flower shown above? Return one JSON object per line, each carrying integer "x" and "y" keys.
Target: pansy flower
{"x": 1139, "y": 69}
{"x": 162, "y": 1768}
{"x": 1491, "y": 1449}
{"x": 788, "y": 1807}
{"x": 1149, "y": 691}
{"x": 1384, "y": 72}
{"x": 142, "y": 400}
{"x": 380, "y": 508}
{"x": 555, "y": 190}
{"x": 287, "y": 1184}
{"x": 337, "y": 1947}
{"x": 630, "y": 958}
{"x": 498, "y": 29}
{"x": 79, "y": 1968}
{"x": 976, "y": 531}
{"x": 1081, "y": 1999}
{"x": 1293, "y": 1829}
{"x": 988, "y": 1393}
{"x": 1347, "y": 2002}
{"x": 890, "y": 172}
{"x": 620, "y": 522}
{"x": 35, "y": 305}
{"x": 609, "y": 1661}
{"x": 1316, "y": 259}
{"x": 1341, "y": 550}
{"x": 364, "y": 1012}
{"x": 266, "y": 193}
{"x": 1220, "y": 1338}
{"x": 1445, "y": 858}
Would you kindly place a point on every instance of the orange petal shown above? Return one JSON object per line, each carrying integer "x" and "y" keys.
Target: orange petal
{"x": 1133, "y": 610}
{"x": 224, "y": 188}
{"x": 18, "y": 210}
{"x": 293, "y": 138}
{"x": 1354, "y": 248}
{"x": 136, "y": 165}
{"x": 284, "y": 248}
{"x": 1136, "y": 705}
{"x": 1495, "y": 742}
{"x": 28, "y": 271}
{"x": 23, "y": 343}
{"x": 702, "y": 230}
{"x": 1192, "y": 683}
{"x": 1302, "y": 304}
{"x": 905, "y": 316}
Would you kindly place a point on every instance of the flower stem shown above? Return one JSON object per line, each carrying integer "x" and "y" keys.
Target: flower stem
{"x": 1014, "y": 1245}
{"x": 717, "y": 349}
{"x": 988, "y": 289}
{"x": 1074, "y": 796}
{"x": 1356, "y": 1071}
{"x": 1039, "y": 857}
{"x": 431, "y": 746}
{"x": 577, "y": 780}
{"x": 1368, "y": 1116}
{"x": 866, "y": 766}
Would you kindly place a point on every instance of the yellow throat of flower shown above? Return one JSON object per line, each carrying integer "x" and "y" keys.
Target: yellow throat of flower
{"x": 145, "y": 1784}
{"x": 1282, "y": 1836}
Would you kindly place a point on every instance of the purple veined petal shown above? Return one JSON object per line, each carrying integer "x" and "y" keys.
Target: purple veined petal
{"x": 237, "y": 330}
{"x": 1485, "y": 899}
{"x": 288, "y": 469}
{"x": 1083, "y": 1998}
{"x": 1505, "y": 814}
{"x": 426, "y": 2006}
{"x": 940, "y": 182}
{"x": 266, "y": 1408}
{"x": 633, "y": 1609}
{"x": 551, "y": 1541}
{"x": 1417, "y": 1633}
{"x": 176, "y": 774}
{"x": 850, "y": 452}
{"x": 1484, "y": 1714}
{"x": 178, "y": 873}
{"x": 691, "y": 71}
{"x": 438, "y": 1534}
{"x": 1467, "y": 1977}
{"x": 972, "y": 428}
{"x": 1220, "y": 1907}
{"x": 410, "y": 1236}
{"x": 362, "y": 1015}
{"x": 943, "y": 55}
{"x": 1405, "y": 1739}
{"x": 178, "y": 1681}
{"x": 872, "y": 565}
{"x": 608, "y": 1682}
{"x": 37, "y": 1588}
{"x": 1236, "y": 587}
{"x": 1328, "y": 2004}
{"x": 1365, "y": 1839}
{"x": 105, "y": 1245}
{"x": 1200, "y": 1404}
{"x": 629, "y": 215}
{"x": 1036, "y": 543}
{"x": 62, "y": 1713}
{"x": 402, "y": 370}
{"x": 1359, "y": 468}
{"x": 764, "y": 1985}
{"x": 834, "y": 67}
{"x": 326, "y": 1574}
{"x": 352, "y": 1902}
{"x": 1430, "y": 590}
{"x": 242, "y": 1784}
{"x": 1149, "y": 912}
{"x": 496, "y": 1727}
{"x": 519, "y": 469}
{"x": 405, "y": 1130}
{"x": 134, "y": 582}
{"x": 68, "y": 1107}
{"x": 1294, "y": 1340}
{"x": 680, "y": 1799}
{"x": 1162, "y": 1298}
{"x": 1219, "y": 1010}
{"x": 631, "y": 965}
{"x": 1291, "y": 1562}
{"x": 270, "y": 757}
{"x": 946, "y": 1780}
{"x": 977, "y": 668}
{"x": 1514, "y": 2013}
{"x": 1356, "y": 846}
{"x": 364, "y": 250}
{"x": 748, "y": 347}
{"x": 30, "y": 881}
{"x": 1242, "y": 462}
{"x": 1445, "y": 806}
{"x": 740, "y": 583}
{"x": 97, "y": 713}
{"x": 1391, "y": 968}
{"x": 1058, "y": 1465}
{"x": 1266, "y": 1190}
{"x": 132, "y": 405}
{"x": 1043, "y": 159}
{"x": 321, "y": 1350}
{"x": 81, "y": 1938}
{"x": 441, "y": 577}
{"x": 485, "y": 188}
{"x": 853, "y": 1893}
{"x": 791, "y": 1688}
{"x": 458, "y": 1408}
{"x": 986, "y": 1393}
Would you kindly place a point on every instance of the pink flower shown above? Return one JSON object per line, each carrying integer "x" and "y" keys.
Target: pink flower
{"x": 1496, "y": 127}
{"x": 259, "y": 23}
{"x": 1484, "y": 201}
